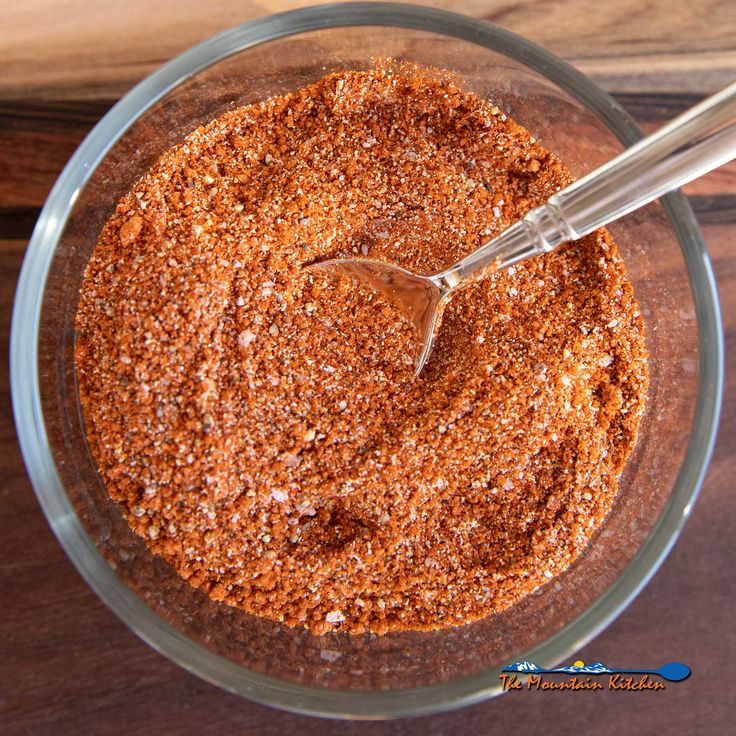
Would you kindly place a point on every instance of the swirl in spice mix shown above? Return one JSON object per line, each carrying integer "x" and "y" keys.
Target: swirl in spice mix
{"x": 261, "y": 426}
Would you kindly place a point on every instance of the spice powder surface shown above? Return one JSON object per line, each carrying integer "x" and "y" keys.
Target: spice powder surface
{"x": 261, "y": 425}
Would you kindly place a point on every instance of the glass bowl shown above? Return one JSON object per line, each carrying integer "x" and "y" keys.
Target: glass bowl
{"x": 402, "y": 673}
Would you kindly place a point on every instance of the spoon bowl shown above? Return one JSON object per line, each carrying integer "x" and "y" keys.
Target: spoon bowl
{"x": 420, "y": 298}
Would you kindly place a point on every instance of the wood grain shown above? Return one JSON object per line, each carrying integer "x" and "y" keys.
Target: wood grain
{"x": 81, "y": 49}
{"x": 68, "y": 666}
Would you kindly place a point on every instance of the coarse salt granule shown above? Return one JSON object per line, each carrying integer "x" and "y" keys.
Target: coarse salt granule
{"x": 245, "y": 338}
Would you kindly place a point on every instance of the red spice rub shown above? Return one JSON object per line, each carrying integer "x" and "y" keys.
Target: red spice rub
{"x": 261, "y": 425}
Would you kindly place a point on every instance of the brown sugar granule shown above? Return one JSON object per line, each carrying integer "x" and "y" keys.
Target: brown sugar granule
{"x": 261, "y": 425}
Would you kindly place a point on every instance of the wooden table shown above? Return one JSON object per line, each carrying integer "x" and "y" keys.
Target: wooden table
{"x": 67, "y": 665}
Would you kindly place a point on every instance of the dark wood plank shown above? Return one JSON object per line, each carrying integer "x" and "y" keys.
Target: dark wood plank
{"x": 37, "y": 137}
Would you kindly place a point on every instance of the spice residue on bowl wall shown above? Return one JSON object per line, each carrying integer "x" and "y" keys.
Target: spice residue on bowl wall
{"x": 261, "y": 426}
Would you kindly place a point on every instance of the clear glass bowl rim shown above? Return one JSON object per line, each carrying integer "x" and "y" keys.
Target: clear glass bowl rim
{"x": 34, "y": 441}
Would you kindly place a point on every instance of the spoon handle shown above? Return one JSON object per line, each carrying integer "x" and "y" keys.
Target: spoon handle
{"x": 678, "y": 153}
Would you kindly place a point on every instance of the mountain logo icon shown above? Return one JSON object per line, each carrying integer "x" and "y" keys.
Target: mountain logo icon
{"x": 672, "y": 671}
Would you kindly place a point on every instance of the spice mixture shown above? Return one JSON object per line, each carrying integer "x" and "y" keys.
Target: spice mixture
{"x": 261, "y": 425}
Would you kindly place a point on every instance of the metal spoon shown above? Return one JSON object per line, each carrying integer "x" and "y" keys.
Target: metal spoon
{"x": 675, "y": 155}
